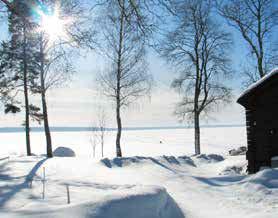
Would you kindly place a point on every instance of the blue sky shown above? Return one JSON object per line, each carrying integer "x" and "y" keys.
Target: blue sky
{"x": 76, "y": 103}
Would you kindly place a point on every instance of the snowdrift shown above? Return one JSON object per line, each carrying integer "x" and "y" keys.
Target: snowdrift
{"x": 140, "y": 202}
{"x": 209, "y": 158}
{"x": 262, "y": 188}
{"x": 161, "y": 160}
{"x": 267, "y": 178}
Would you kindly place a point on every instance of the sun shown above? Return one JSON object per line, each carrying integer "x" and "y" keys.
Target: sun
{"x": 53, "y": 26}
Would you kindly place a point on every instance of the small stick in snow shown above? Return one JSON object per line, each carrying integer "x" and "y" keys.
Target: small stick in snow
{"x": 43, "y": 184}
{"x": 43, "y": 189}
{"x": 68, "y": 194}
{"x": 30, "y": 183}
{"x": 44, "y": 173}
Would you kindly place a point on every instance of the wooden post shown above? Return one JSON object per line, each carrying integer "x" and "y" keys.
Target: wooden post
{"x": 30, "y": 183}
{"x": 43, "y": 184}
{"x": 43, "y": 189}
{"x": 68, "y": 193}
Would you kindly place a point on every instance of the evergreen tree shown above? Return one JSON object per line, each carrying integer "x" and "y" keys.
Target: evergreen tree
{"x": 19, "y": 59}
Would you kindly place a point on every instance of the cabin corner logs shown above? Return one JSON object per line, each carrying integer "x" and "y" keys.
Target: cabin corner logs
{"x": 261, "y": 108}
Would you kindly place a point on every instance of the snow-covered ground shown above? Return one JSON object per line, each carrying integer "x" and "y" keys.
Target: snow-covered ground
{"x": 154, "y": 180}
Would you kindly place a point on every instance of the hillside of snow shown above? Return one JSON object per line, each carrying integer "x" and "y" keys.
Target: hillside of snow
{"x": 153, "y": 180}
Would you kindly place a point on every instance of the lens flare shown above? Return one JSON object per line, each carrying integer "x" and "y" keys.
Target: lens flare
{"x": 53, "y": 25}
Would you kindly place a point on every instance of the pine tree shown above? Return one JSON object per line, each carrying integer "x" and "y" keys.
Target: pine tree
{"x": 19, "y": 54}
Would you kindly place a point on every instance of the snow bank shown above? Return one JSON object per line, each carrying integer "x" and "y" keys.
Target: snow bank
{"x": 64, "y": 152}
{"x": 209, "y": 158}
{"x": 128, "y": 161}
{"x": 262, "y": 188}
{"x": 267, "y": 178}
{"x": 140, "y": 202}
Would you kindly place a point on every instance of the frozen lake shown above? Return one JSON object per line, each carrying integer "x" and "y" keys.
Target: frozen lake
{"x": 141, "y": 142}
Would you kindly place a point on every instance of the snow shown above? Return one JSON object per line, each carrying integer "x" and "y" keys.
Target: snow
{"x": 160, "y": 180}
{"x": 144, "y": 201}
{"x": 138, "y": 142}
{"x": 259, "y": 82}
{"x": 63, "y": 152}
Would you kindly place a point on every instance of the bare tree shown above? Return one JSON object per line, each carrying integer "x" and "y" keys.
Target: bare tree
{"x": 54, "y": 67}
{"x": 94, "y": 139}
{"x": 126, "y": 79}
{"x": 99, "y": 131}
{"x": 102, "y": 129}
{"x": 54, "y": 54}
{"x": 197, "y": 46}
{"x": 256, "y": 20}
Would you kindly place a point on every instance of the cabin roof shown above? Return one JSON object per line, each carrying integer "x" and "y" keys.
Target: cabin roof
{"x": 257, "y": 85}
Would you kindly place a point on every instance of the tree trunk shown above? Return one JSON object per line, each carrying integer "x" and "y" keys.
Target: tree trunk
{"x": 197, "y": 133}
{"x": 119, "y": 70}
{"x": 46, "y": 127}
{"x": 196, "y": 102}
{"x": 260, "y": 67}
{"x": 260, "y": 42}
{"x": 44, "y": 105}
{"x": 102, "y": 141}
{"x": 26, "y": 97}
{"x": 119, "y": 132}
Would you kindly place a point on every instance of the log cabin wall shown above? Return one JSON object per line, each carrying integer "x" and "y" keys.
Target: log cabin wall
{"x": 261, "y": 109}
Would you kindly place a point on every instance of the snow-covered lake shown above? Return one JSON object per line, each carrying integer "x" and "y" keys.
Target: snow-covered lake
{"x": 134, "y": 142}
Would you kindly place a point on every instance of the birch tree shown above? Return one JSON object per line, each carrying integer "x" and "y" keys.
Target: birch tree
{"x": 126, "y": 79}
{"x": 57, "y": 44}
{"x": 198, "y": 48}
{"x": 256, "y": 21}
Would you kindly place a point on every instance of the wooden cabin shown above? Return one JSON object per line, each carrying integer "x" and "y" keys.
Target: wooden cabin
{"x": 261, "y": 105}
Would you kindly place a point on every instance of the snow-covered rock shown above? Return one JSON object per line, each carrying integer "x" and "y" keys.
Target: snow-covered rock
{"x": 64, "y": 152}
{"x": 239, "y": 151}
{"x": 232, "y": 170}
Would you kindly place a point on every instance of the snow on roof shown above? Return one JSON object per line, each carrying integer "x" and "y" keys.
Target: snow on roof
{"x": 259, "y": 82}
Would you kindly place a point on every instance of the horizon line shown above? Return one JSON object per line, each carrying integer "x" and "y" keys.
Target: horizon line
{"x": 88, "y": 128}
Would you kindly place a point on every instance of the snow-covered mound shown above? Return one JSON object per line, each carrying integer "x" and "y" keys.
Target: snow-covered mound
{"x": 209, "y": 158}
{"x": 139, "y": 202}
{"x": 262, "y": 188}
{"x": 64, "y": 152}
{"x": 267, "y": 178}
{"x": 128, "y": 161}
